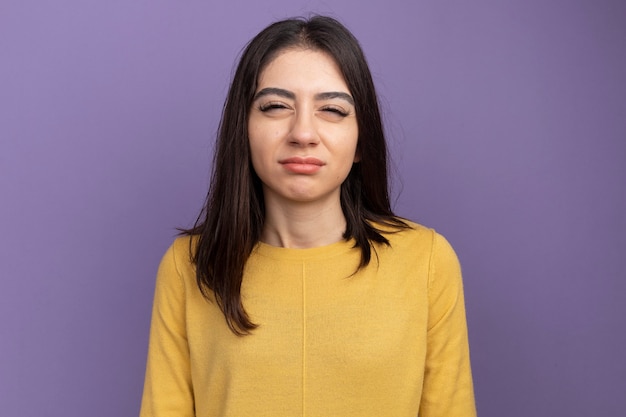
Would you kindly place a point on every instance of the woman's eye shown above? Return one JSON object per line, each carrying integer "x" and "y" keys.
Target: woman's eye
{"x": 271, "y": 106}
{"x": 335, "y": 111}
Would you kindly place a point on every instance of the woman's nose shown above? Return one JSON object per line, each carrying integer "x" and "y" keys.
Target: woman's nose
{"x": 303, "y": 131}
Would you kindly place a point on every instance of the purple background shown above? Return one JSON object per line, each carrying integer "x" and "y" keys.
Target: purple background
{"x": 507, "y": 122}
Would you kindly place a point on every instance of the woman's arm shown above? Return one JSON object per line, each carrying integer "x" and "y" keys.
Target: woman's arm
{"x": 168, "y": 389}
{"x": 448, "y": 389}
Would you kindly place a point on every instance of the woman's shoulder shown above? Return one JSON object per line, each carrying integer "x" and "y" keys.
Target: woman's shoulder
{"x": 179, "y": 255}
{"x": 413, "y": 235}
{"x": 184, "y": 243}
{"x": 404, "y": 229}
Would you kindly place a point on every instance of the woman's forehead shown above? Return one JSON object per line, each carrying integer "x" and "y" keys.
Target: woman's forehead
{"x": 304, "y": 70}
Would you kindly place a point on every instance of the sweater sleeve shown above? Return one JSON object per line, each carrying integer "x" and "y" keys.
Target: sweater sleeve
{"x": 167, "y": 387}
{"x": 448, "y": 389}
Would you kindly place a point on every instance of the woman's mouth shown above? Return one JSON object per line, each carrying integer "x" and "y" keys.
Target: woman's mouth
{"x": 302, "y": 165}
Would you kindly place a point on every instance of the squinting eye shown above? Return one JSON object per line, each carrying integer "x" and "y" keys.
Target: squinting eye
{"x": 271, "y": 106}
{"x": 336, "y": 110}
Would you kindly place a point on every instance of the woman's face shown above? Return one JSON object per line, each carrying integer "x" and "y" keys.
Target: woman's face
{"x": 302, "y": 128}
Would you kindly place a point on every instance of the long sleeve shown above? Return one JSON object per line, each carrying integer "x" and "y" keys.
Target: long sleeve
{"x": 448, "y": 389}
{"x": 390, "y": 340}
{"x": 167, "y": 388}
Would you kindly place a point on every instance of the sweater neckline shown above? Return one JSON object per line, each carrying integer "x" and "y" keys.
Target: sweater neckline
{"x": 320, "y": 252}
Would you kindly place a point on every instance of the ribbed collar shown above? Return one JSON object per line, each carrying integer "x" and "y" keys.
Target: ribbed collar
{"x": 320, "y": 252}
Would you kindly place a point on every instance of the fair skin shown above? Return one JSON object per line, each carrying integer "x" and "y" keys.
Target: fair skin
{"x": 303, "y": 137}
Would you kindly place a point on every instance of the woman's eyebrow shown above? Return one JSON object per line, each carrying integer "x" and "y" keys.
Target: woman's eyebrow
{"x": 335, "y": 94}
{"x": 275, "y": 91}
{"x": 289, "y": 95}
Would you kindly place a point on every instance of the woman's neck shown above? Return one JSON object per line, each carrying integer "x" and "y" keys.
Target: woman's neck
{"x": 303, "y": 225}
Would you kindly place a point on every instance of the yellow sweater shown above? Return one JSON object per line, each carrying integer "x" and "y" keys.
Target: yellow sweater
{"x": 390, "y": 340}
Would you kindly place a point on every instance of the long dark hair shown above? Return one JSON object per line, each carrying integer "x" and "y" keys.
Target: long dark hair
{"x": 231, "y": 222}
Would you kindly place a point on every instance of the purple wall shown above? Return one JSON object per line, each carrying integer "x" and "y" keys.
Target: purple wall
{"x": 508, "y": 128}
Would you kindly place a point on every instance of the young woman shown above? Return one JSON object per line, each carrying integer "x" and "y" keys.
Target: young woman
{"x": 298, "y": 292}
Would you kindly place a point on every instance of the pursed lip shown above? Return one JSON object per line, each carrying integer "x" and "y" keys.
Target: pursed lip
{"x": 304, "y": 160}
